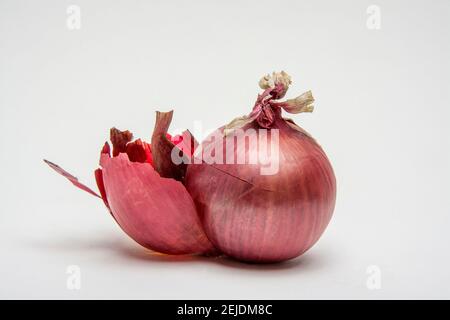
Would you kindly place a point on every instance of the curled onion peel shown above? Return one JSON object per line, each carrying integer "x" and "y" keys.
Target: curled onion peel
{"x": 155, "y": 211}
{"x": 173, "y": 201}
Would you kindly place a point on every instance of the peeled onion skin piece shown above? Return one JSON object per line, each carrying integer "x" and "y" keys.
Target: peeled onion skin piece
{"x": 162, "y": 149}
{"x": 71, "y": 178}
{"x": 266, "y": 218}
{"x": 156, "y": 212}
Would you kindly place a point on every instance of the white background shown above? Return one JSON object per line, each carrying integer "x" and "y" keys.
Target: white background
{"x": 382, "y": 116}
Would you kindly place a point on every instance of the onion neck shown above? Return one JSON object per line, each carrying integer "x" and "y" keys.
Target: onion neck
{"x": 267, "y": 108}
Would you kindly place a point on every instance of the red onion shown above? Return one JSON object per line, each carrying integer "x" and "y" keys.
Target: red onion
{"x": 265, "y": 218}
{"x": 170, "y": 201}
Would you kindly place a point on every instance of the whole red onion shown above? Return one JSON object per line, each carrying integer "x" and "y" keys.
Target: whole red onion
{"x": 265, "y": 217}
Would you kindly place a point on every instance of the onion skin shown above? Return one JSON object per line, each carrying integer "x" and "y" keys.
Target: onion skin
{"x": 266, "y": 218}
{"x": 156, "y": 212}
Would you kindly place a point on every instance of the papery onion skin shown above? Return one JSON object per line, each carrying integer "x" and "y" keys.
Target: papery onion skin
{"x": 156, "y": 212}
{"x": 266, "y": 218}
